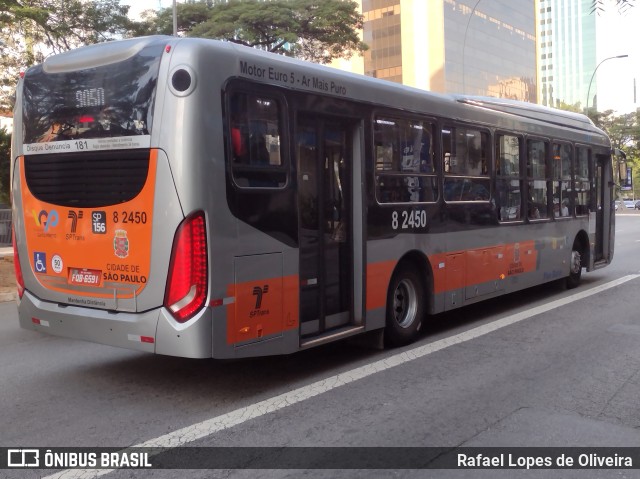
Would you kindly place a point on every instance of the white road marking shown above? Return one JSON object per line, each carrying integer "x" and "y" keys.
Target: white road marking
{"x": 206, "y": 428}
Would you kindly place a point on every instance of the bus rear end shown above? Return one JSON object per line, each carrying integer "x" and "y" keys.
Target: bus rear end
{"x": 103, "y": 249}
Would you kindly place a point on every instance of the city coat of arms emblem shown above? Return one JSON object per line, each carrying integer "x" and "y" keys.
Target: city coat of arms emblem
{"x": 121, "y": 244}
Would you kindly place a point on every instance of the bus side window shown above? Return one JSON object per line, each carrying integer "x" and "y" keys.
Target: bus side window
{"x": 561, "y": 176}
{"x": 537, "y": 205}
{"x": 465, "y": 163}
{"x": 582, "y": 181}
{"x": 238, "y": 140}
{"x": 258, "y": 150}
{"x": 508, "y": 178}
{"x": 404, "y": 161}
{"x": 255, "y": 130}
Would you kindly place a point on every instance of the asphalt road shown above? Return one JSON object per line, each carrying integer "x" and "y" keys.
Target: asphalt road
{"x": 568, "y": 376}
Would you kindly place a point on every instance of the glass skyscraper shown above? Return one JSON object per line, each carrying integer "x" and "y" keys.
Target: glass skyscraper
{"x": 478, "y": 47}
{"x": 567, "y": 52}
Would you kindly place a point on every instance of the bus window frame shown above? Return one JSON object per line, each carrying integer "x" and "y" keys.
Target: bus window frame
{"x": 447, "y": 123}
{"x": 571, "y": 180}
{"x": 530, "y": 178}
{"x": 590, "y": 176}
{"x": 522, "y": 178}
{"x": 433, "y": 130}
{"x": 260, "y": 90}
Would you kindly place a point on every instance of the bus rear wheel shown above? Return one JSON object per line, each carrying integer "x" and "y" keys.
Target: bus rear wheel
{"x": 405, "y": 307}
{"x": 575, "y": 270}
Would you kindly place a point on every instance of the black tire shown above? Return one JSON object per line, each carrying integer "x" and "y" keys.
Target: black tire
{"x": 575, "y": 267}
{"x": 405, "y": 307}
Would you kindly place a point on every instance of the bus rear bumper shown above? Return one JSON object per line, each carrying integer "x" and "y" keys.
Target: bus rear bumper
{"x": 151, "y": 331}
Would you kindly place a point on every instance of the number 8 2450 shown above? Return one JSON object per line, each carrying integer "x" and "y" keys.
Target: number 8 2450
{"x": 409, "y": 219}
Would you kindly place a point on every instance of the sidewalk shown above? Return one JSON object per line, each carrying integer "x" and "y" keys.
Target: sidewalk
{"x": 7, "y": 275}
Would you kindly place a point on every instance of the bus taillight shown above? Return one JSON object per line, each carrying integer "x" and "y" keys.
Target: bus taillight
{"x": 187, "y": 281}
{"x": 16, "y": 265}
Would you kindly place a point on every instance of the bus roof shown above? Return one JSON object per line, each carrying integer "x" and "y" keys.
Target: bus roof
{"x": 451, "y": 105}
{"x": 504, "y": 112}
{"x": 529, "y": 110}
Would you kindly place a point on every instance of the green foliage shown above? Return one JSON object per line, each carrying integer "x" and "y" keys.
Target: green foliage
{"x": 5, "y": 158}
{"x": 624, "y": 131}
{"x": 190, "y": 14}
{"x": 576, "y": 108}
{"x": 30, "y": 30}
{"x": 313, "y": 30}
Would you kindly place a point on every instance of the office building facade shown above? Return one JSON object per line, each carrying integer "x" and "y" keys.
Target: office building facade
{"x": 567, "y": 52}
{"x": 477, "y": 47}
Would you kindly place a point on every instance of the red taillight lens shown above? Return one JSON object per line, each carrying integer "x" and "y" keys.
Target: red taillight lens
{"x": 186, "y": 291}
{"x": 16, "y": 265}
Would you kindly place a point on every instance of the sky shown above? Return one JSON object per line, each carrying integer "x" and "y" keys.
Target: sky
{"x": 138, "y": 6}
{"x": 617, "y": 34}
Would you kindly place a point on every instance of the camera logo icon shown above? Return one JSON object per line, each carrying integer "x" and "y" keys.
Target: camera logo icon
{"x": 23, "y": 458}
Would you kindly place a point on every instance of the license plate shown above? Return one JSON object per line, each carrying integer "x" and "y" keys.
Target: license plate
{"x": 85, "y": 277}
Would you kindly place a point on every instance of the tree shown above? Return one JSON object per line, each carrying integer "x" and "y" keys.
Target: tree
{"x": 624, "y": 132}
{"x": 622, "y": 5}
{"x": 313, "y": 30}
{"x": 576, "y": 108}
{"x": 190, "y": 14}
{"x": 30, "y": 30}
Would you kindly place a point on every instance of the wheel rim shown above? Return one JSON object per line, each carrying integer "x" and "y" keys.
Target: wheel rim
{"x": 576, "y": 264}
{"x": 405, "y": 303}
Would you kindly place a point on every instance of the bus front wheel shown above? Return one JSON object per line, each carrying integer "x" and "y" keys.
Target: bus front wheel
{"x": 405, "y": 307}
{"x": 575, "y": 270}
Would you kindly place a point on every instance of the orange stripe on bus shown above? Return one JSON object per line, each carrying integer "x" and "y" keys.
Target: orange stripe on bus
{"x": 262, "y": 308}
{"x": 270, "y": 306}
{"x": 378, "y": 277}
{"x": 459, "y": 269}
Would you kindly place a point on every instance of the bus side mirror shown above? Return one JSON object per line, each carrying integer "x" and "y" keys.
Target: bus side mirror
{"x": 620, "y": 166}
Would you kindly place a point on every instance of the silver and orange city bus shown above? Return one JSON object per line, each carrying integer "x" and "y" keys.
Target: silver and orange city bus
{"x": 197, "y": 198}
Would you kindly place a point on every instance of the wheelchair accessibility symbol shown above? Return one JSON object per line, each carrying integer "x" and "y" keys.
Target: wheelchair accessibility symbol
{"x": 40, "y": 262}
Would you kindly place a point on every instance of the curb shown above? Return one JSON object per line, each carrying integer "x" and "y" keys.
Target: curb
{"x": 6, "y": 297}
{"x": 7, "y": 282}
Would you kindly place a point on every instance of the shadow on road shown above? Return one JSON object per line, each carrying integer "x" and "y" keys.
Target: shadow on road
{"x": 237, "y": 381}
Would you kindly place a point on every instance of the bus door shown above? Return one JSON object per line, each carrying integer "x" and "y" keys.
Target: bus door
{"x": 604, "y": 213}
{"x": 323, "y": 148}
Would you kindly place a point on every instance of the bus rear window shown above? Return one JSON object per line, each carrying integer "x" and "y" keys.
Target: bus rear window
{"x": 112, "y": 100}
